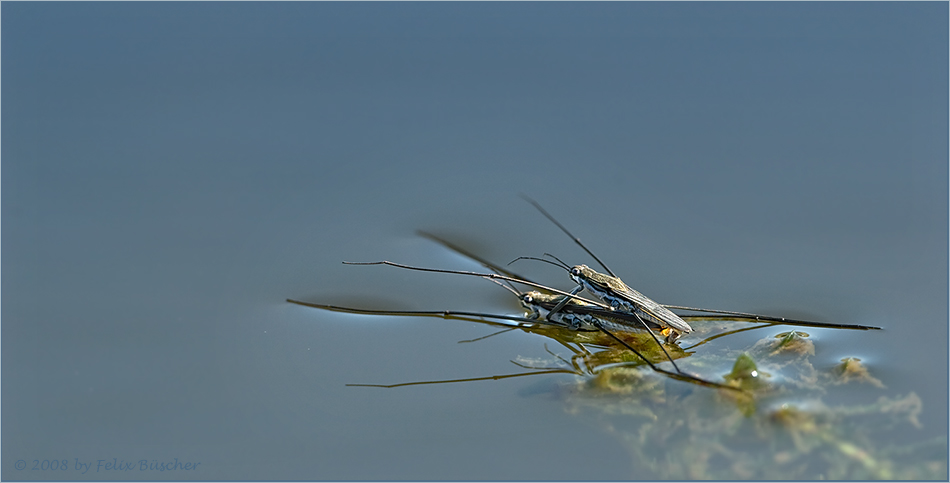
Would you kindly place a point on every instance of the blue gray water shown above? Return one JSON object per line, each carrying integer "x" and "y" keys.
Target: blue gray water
{"x": 172, "y": 172}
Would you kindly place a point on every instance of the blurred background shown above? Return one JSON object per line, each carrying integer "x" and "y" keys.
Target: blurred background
{"x": 172, "y": 172}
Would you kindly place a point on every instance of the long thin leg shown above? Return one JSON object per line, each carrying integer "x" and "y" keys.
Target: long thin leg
{"x": 429, "y": 313}
{"x": 769, "y": 318}
{"x": 560, "y": 305}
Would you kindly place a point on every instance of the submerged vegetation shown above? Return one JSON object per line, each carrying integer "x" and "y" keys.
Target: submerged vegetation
{"x": 779, "y": 428}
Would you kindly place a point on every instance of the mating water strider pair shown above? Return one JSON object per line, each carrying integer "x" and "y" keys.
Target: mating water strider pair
{"x": 620, "y": 308}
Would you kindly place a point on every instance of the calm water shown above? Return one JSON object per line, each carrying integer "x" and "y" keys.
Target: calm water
{"x": 173, "y": 172}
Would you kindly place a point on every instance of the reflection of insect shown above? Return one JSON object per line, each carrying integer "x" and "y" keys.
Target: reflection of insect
{"x": 613, "y": 291}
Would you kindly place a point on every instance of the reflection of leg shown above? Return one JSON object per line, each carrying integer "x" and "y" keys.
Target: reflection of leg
{"x": 565, "y": 344}
{"x": 736, "y": 331}
{"x": 582, "y": 354}
{"x": 490, "y": 335}
{"x": 583, "y": 347}
{"x": 558, "y": 357}
{"x": 487, "y": 378}
{"x": 554, "y": 369}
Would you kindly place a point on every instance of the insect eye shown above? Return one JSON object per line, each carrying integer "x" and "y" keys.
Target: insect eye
{"x": 527, "y": 299}
{"x": 575, "y": 271}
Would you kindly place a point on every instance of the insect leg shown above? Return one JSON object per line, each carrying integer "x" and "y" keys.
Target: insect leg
{"x": 424, "y": 313}
{"x": 781, "y": 320}
{"x": 560, "y": 305}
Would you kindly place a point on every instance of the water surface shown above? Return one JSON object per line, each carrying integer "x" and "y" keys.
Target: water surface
{"x": 173, "y": 172}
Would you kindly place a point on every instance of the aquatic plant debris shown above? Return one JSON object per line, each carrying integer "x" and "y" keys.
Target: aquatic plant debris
{"x": 852, "y": 370}
{"x": 776, "y": 431}
{"x": 794, "y": 341}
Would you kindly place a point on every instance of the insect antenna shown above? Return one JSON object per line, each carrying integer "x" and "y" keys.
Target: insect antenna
{"x": 565, "y": 230}
{"x": 568, "y": 267}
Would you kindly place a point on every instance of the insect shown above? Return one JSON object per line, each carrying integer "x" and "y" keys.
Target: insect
{"x": 622, "y": 308}
{"x": 612, "y": 290}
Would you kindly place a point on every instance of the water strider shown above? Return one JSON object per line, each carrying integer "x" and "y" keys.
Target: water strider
{"x": 580, "y": 312}
{"x": 622, "y": 309}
